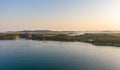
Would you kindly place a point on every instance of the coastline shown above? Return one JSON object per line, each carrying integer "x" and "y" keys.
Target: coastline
{"x": 98, "y": 39}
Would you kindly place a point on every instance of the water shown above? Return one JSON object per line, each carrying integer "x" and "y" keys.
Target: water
{"x": 55, "y": 55}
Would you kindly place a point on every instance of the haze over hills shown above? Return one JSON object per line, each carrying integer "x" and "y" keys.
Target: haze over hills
{"x": 57, "y": 32}
{"x": 40, "y": 32}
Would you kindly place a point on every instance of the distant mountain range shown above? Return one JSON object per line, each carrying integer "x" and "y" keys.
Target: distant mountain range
{"x": 57, "y": 32}
{"x": 35, "y": 31}
{"x": 39, "y": 32}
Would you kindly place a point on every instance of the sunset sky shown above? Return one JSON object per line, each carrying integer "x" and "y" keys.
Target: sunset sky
{"x": 75, "y": 15}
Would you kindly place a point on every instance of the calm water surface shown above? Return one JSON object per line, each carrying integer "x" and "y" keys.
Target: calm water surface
{"x": 55, "y": 55}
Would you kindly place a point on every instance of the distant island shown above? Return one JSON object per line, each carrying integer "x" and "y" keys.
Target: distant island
{"x": 96, "y": 38}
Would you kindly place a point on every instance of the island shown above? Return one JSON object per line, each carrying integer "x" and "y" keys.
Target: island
{"x": 101, "y": 39}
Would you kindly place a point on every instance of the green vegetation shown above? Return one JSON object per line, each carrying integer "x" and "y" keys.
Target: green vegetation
{"x": 9, "y": 36}
{"x": 108, "y": 39}
{"x": 101, "y": 39}
{"x": 62, "y": 37}
{"x": 94, "y": 38}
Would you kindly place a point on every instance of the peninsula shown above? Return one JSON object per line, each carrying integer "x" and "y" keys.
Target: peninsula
{"x": 102, "y": 39}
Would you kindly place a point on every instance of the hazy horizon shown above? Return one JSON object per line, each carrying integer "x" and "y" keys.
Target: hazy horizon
{"x": 60, "y": 15}
{"x": 66, "y": 30}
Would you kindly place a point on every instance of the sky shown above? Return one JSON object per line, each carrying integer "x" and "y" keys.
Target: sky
{"x": 61, "y": 15}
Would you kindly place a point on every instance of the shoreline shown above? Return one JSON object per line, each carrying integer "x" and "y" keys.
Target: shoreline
{"x": 97, "y": 39}
{"x": 112, "y": 45}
